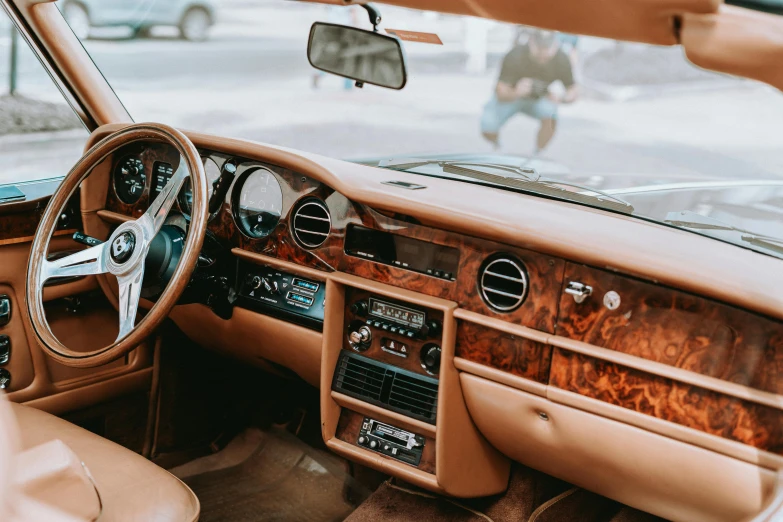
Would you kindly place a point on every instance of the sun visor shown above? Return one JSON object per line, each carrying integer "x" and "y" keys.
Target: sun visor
{"x": 649, "y": 21}
{"x": 736, "y": 41}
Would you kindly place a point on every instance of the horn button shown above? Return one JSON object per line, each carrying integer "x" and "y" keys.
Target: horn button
{"x": 122, "y": 247}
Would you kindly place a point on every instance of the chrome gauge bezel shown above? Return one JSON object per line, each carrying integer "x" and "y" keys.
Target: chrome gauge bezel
{"x": 236, "y": 194}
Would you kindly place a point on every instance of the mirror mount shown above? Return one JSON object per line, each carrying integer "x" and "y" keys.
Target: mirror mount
{"x": 374, "y": 14}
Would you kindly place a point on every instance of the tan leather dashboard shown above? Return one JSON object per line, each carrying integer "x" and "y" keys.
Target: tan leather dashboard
{"x": 682, "y": 357}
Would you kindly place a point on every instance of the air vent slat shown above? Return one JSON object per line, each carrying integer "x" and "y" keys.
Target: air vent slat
{"x": 500, "y": 292}
{"x": 416, "y": 386}
{"x": 311, "y": 223}
{"x": 423, "y": 403}
{"x": 358, "y": 375}
{"x": 495, "y": 274}
{"x": 503, "y": 282}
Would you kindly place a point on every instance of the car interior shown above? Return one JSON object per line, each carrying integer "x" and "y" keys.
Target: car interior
{"x": 199, "y": 327}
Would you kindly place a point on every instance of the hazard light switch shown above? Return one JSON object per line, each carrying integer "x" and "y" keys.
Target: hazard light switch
{"x": 395, "y": 347}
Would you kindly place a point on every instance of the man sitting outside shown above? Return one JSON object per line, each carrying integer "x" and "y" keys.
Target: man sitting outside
{"x": 527, "y": 72}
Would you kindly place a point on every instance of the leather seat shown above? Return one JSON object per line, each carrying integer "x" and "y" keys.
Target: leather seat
{"x": 131, "y": 488}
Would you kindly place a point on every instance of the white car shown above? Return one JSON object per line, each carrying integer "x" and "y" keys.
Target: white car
{"x": 192, "y": 17}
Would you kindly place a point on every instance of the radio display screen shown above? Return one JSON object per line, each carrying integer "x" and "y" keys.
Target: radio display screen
{"x": 404, "y": 252}
{"x": 396, "y": 313}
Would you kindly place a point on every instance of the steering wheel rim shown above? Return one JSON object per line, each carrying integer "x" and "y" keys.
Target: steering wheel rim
{"x": 124, "y": 253}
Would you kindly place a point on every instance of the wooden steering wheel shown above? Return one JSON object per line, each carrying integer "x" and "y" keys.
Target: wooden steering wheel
{"x": 124, "y": 253}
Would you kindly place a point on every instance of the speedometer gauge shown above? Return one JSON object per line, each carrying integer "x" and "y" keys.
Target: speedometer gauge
{"x": 129, "y": 179}
{"x": 258, "y": 202}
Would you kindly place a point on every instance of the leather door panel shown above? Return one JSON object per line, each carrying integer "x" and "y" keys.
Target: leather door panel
{"x": 34, "y": 376}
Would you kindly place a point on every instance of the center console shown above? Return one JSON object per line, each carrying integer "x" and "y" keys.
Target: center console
{"x": 390, "y": 393}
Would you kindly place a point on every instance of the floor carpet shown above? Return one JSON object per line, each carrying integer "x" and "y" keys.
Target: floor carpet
{"x": 272, "y": 476}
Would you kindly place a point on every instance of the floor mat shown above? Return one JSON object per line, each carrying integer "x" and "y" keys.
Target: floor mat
{"x": 531, "y": 496}
{"x": 280, "y": 479}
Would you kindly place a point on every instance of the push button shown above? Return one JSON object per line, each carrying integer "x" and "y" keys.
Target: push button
{"x": 5, "y": 349}
{"x": 5, "y": 310}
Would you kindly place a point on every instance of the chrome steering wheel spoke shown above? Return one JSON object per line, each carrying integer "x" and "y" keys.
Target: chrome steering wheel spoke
{"x": 152, "y": 220}
{"x": 130, "y": 292}
{"x": 91, "y": 261}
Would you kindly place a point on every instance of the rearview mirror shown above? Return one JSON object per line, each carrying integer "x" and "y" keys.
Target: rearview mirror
{"x": 360, "y": 55}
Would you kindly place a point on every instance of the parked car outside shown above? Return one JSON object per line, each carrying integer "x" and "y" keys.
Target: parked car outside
{"x": 193, "y": 18}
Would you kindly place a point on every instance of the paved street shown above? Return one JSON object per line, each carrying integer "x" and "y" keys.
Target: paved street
{"x": 252, "y": 80}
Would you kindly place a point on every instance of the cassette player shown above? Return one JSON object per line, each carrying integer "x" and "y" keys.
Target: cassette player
{"x": 391, "y": 441}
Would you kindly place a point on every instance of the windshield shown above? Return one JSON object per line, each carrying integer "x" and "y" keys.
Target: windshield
{"x": 637, "y": 122}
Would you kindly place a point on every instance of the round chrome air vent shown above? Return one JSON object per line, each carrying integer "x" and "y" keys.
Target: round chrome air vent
{"x": 311, "y": 223}
{"x": 502, "y": 281}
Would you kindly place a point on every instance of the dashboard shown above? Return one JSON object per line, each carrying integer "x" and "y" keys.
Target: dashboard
{"x": 437, "y": 351}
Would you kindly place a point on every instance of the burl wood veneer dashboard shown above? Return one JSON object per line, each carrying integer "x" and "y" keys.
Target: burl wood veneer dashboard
{"x": 511, "y": 321}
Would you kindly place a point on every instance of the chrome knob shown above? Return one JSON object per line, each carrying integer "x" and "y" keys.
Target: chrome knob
{"x": 360, "y": 339}
{"x": 255, "y": 282}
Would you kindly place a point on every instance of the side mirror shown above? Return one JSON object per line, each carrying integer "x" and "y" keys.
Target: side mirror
{"x": 360, "y": 55}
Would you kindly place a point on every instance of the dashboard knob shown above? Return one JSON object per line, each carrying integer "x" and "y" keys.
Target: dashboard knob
{"x": 256, "y": 282}
{"x": 433, "y": 328}
{"x": 360, "y": 339}
{"x": 373, "y": 444}
{"x": 430, "y": 358}
{"x": 359, "y": 308}
{"x": 362, "y": 439}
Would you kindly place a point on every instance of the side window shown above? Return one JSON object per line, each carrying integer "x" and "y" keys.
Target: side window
{"x": 40, "y": 135}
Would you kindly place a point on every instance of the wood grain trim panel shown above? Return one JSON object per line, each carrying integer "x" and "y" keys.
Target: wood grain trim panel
{"x": 675, "y": 328}
{"x": 503, "y": 351}
{"x": 349, "y": 426}
{"x": 19, "y": 221}
{"x": 663, "y": 370}
{"x": 705, "y": 410}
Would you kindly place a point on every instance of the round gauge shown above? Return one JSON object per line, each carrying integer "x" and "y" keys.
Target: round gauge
{"x": 129, "y": 179}
{"x": 258, "y": 202}
{"x": 186, "y": 195}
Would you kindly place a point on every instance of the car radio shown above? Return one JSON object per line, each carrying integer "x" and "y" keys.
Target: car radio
{"x": 394, "y": 332}
{"x": 391, "y": 441}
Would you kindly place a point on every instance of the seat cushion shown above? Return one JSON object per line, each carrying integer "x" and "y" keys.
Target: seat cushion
{"x": 131, "y": 487}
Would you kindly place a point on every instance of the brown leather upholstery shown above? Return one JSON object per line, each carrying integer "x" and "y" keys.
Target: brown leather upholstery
{"x": 54, "y": 475}
{"x": 131, "y": 487}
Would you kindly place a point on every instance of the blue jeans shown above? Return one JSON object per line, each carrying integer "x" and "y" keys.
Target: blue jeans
{"x": 497, "y": 113}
